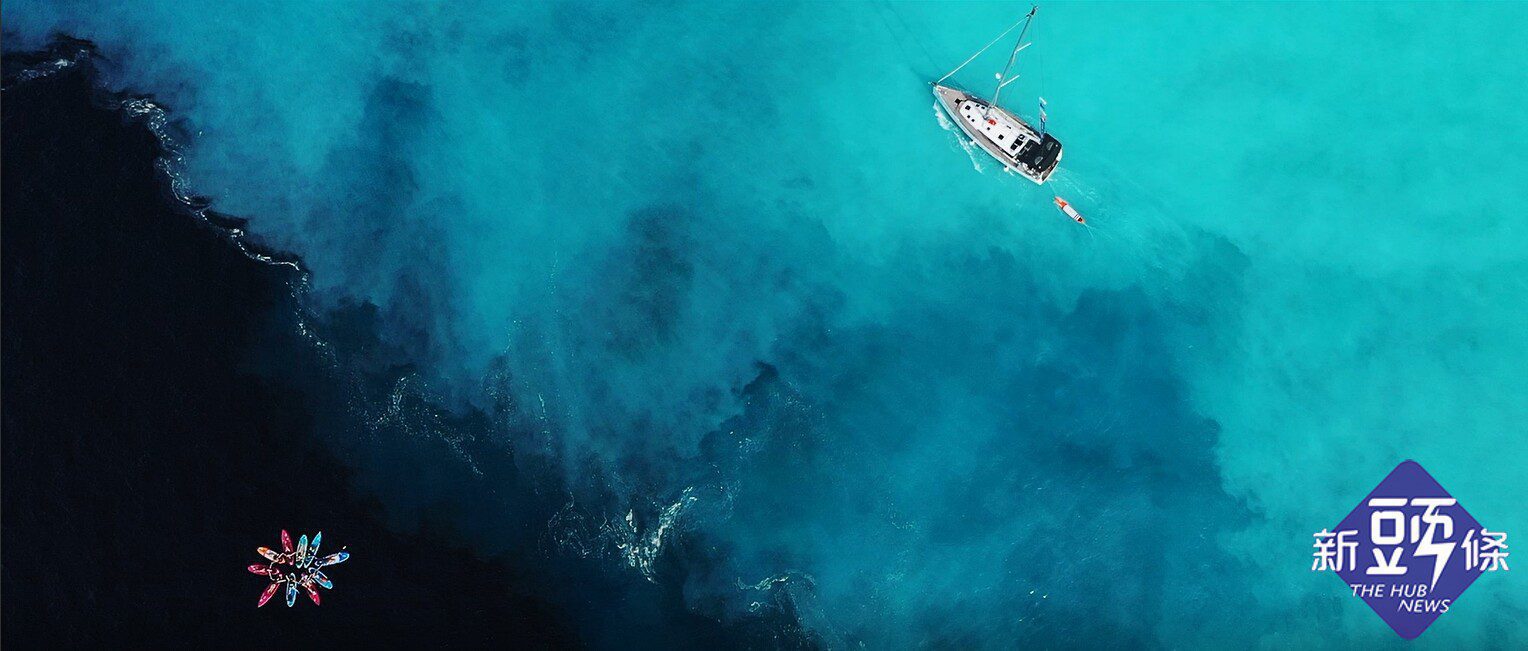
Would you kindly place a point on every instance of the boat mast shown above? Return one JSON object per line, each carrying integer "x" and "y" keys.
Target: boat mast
{"x": 1002, "y": 79}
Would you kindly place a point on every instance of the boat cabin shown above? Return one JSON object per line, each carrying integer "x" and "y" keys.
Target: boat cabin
{"x": 1019, "y": 143}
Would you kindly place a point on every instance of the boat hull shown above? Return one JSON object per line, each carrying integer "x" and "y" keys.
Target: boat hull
{"x": 1030, "y": 154}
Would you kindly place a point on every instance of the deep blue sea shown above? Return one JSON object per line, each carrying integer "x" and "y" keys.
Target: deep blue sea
{"x": 707, "y": 297}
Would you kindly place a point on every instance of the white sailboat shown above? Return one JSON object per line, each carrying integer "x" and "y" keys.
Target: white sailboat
{"x": 1029, "y": 152}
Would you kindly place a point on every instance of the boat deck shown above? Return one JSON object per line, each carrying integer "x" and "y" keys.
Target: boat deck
{"x": 1001, "y": 134}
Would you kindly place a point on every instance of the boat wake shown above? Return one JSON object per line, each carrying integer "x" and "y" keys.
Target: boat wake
{"x": 965, "y": 144}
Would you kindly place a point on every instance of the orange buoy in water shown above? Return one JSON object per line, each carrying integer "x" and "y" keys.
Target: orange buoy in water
{"x": 1069, "y": 210}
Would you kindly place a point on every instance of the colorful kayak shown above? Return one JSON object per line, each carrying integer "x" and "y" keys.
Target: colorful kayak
{"x": 307, "y": 586}
{"x": 270, "y": 591}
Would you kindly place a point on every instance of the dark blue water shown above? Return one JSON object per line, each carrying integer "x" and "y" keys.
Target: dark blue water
{"x": 164, "y": 416}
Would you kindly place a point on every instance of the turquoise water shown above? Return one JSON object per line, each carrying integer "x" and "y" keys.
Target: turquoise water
{"x": 1305, "y": 264}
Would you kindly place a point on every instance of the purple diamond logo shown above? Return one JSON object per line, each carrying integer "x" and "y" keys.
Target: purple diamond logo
{"x": 1409, "y": 550}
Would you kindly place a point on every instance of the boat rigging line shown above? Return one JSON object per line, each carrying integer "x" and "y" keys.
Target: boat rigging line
{"x": 1002, "y": 78}
{"x": 988, "y": 46}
